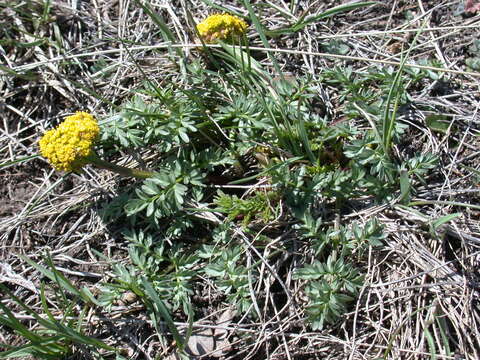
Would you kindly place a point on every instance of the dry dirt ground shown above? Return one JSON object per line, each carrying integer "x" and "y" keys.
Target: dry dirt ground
{"x": 87, "y": 55}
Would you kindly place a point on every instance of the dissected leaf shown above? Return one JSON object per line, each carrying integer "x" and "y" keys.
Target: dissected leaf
{"x": 473, "y": 63}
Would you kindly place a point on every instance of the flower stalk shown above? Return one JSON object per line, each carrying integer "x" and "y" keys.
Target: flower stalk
{"x": 121, "y": 170}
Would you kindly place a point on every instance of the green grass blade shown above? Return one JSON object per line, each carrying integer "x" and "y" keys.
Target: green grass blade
{"x": 17, "y": 325}
{"x": 442, "y": 328}
{"x": 43, "y": 300}
{"x": 161, "y": 312}
{"x": 443, "y": 202}
{"x": 80, "y": 338}
{"x": 258, "y": 81}
{"x": 38, "y": 350}
{"x": 26, "y": 45}
{"x": 244, "y": 60}
{"x": 302, "y": 132}
{"x": 8, "y": 71}
{"x": 394, "y": 95}
{"x": 304, "y": 21}
{"x": 47, "y": 6}
{"x": 443, "y": 220}
{"x": 261, "y": 32}
{"x": 18, "y": 161}
{"x": 55, "y": 276}
{"x": 388, "y": 118}
{"x": 51, "y": 324}
{"x": 431, "y": 343}
{"x": 12, "y": 322}
{"x": 223, "y": 9}
{"x": 266, "y": 171}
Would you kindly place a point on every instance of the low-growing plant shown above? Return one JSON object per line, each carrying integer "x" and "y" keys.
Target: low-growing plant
{"x": 232, "y": 146}
{"x": 303, "y": 157}
{"x": 319, "y": 161}
{"x": 256, "y": 206}
{"x": 331, "y": 286}
{"x": 230, "y": 276}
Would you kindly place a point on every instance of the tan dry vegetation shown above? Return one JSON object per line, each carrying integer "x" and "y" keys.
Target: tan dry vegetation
{"x": 91, "y": 55}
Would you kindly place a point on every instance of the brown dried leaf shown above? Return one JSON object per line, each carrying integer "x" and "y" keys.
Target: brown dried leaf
{"x": 223, "y": 321}
{"x": 221, "y": 333}
{"x": 212, "y": 342}
{"x": 200, "y": 343}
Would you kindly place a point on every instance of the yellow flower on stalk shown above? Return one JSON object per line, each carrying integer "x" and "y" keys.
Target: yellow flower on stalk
{"x": 222, "y": 27}
{"x": 68, "y": 146}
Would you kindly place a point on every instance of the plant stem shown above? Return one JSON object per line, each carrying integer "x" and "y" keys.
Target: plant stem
{"x": 121, "y": 170}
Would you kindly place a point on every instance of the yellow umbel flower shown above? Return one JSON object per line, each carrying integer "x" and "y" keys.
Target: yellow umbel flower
{"x": 68, "y": 146}
{"x": 222, "y": 27}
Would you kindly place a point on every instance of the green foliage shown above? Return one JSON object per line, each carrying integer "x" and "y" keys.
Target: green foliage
{"x": 164, "y": 125}
{"x": 168, "y": 271}
{"x": 230, "y": 276}
{"x": 331, "y": 286}
{"x": 211, "y": 134}
{"x": 55, "y": 336}
{"x": 164, "y": 194}
{"x": 332, "y": 282}
{"x": 260, "y": 205}
{"x": 421, "y": 164}
{"x": 204, "y": 129}
{"x": 343, "y": 240}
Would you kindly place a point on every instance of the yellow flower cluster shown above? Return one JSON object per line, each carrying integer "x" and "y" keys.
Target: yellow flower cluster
{"x": 68, "y": 146}
{"x": 221, "y": 27}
